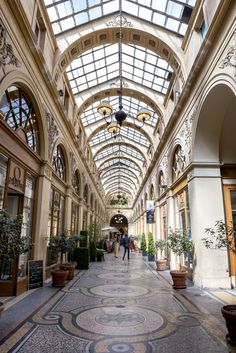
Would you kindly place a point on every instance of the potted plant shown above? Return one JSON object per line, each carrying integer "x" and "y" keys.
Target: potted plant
{"x": 144, "y": 245}
{"x": 12, "y": 245}
{"x": 161, "y": 245}
{"x": 221, "y": 236}
{"x": 181, "y": 244}
{"x": 94, "y": 233}
{"x": 62, "y": 244}
{"x": 151, "y": 248}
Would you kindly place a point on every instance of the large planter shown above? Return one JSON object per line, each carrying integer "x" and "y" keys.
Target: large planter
{"x": 179, "y": 279}
{"x": 229, "y": 313}
{"x": 161, "y": 265}
{"x": 59, "y": 278}
{"x": 69, "y": 267}
{"x": 151, "y": 258}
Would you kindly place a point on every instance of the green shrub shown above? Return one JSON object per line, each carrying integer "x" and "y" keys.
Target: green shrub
{"x": 151, "y": 245}
{"x": 81, "y": 257}
{"x": 143, "y": 243}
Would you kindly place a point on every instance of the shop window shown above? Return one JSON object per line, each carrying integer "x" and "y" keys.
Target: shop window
{"x": 86, "y": 193}
{"x": 56, "y": 213}
{"x": 3, "y": 173}
{"x": 26, "y": 229}
{"x": 59, "y": 163}
{"x": 18, "y": 112}
{"x": 74, "y": 218}
{"x": 183, "y": 217}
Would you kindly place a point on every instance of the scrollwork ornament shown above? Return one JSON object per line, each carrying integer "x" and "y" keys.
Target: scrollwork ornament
{"x": 118, "y": 21}
{"x": 52, "y": 132}
{"x": 164, "y": 168}
{"x": 6, "y": 50}
{"x": 230, "y": 58}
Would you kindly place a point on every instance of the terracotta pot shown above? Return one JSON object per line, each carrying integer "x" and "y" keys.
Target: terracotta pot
{"x": 70, "y": 268}
{"x": 229, "y": 313}
{"x": 179, "y": 279}
{"x": 59, "y": 278}
{"x": 161, "y": 265}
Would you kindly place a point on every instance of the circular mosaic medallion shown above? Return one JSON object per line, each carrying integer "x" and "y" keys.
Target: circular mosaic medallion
{"x": 118, "y": 321}
{"x": 119, "y": 290}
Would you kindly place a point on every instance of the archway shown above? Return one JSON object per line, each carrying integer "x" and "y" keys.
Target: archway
{"x": 120, "y": 222}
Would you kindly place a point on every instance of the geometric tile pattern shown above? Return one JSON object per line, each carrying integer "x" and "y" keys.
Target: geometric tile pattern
{"x": 129, "y": 309}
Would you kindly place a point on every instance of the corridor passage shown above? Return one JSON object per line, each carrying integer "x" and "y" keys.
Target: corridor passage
{"x": 115, "y": 307}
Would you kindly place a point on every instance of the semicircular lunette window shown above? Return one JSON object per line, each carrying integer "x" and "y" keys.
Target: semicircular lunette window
{"x": 17, "y": 111}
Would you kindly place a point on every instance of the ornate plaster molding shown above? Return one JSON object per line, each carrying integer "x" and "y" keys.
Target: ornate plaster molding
{"x": 186, "y": 134}
{"x": 53, "y": 132}
{"x": 230, "y": 58}
{"x": 6, "y": 50}
{"x": 115, "y": 22}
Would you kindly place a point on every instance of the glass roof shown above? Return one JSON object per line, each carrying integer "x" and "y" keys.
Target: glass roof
{"x": 173, "y": 15}
{"x": 101, "y": 64}
{"x": 100, "y": 68}
{"x": 123, "y": 150}
{"x": 126, "y": 132}
{"x": 130, "y": 105}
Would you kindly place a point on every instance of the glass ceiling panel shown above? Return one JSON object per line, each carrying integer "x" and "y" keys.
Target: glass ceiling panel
{"x": 119, "y": 162}
{"x": 114, "y": 151}
{"x": 170, "y": 14}
{"x": 101, "y": 64}
{"x": 126, "y": 132}
{"x": 130, "y": 105}
{"x": 125, "y": 171}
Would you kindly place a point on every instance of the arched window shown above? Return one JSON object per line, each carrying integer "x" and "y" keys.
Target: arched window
{"x": 86, "y": 193}
{"x": 59, "y": 163}
{"x": 18, "y": 112}
{"x": 77, "y": 182}
{"x": 178, "y": 163}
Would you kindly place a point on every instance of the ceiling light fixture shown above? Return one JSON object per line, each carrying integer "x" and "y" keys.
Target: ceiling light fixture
{"x": 105, "y": 108}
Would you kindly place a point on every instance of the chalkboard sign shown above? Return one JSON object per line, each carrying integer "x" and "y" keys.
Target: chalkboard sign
{"x": 35, "y": 274}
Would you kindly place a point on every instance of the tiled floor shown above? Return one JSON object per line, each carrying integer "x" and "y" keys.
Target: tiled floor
{"x": 115, "y": 307}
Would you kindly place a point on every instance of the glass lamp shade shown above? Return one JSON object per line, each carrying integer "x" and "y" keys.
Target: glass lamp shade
{"x": 113, "y": 128}
{"x": 144, "y": 115}
{"x": 104, "y": 108}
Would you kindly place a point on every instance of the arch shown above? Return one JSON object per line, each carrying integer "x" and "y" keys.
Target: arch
{"x": 123, "y": 143}
{"x": 215, "y": 119}
{"x": 119, "y": 220}
{"x": 129, "y": 92}
{"x": 22, "y": 80}
{"x": 110, "y": 35}
{"x": 120, "y": 160}
{"x": 117, "y": 177}
{"x": 124, "y": 124}
{"x": 124, "y": 170}
{"x": 109, "y": 186}
{"x": 76, "y": 182}
{"x": 60, "y": 161}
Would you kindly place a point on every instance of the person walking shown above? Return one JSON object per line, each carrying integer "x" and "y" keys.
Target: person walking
{"x": 117, "y": 245}
{"x": 126, "y": 244}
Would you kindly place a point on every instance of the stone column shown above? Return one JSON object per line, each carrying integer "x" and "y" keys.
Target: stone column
{"x": 42, "y": 213}
{"x": 206, "y": 207}
{"x": 171, "y": 224}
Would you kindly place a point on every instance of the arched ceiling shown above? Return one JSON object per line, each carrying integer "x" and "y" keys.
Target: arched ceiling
{"x": 124, "y": 64}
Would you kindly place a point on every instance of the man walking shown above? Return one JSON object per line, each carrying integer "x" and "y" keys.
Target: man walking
{"x": 126, "y": 244}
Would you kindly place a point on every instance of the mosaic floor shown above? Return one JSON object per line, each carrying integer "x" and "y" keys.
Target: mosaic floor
{"x": 121, "y": 307}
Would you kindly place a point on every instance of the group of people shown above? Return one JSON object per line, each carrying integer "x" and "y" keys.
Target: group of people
{"x": 125, "y": 241}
